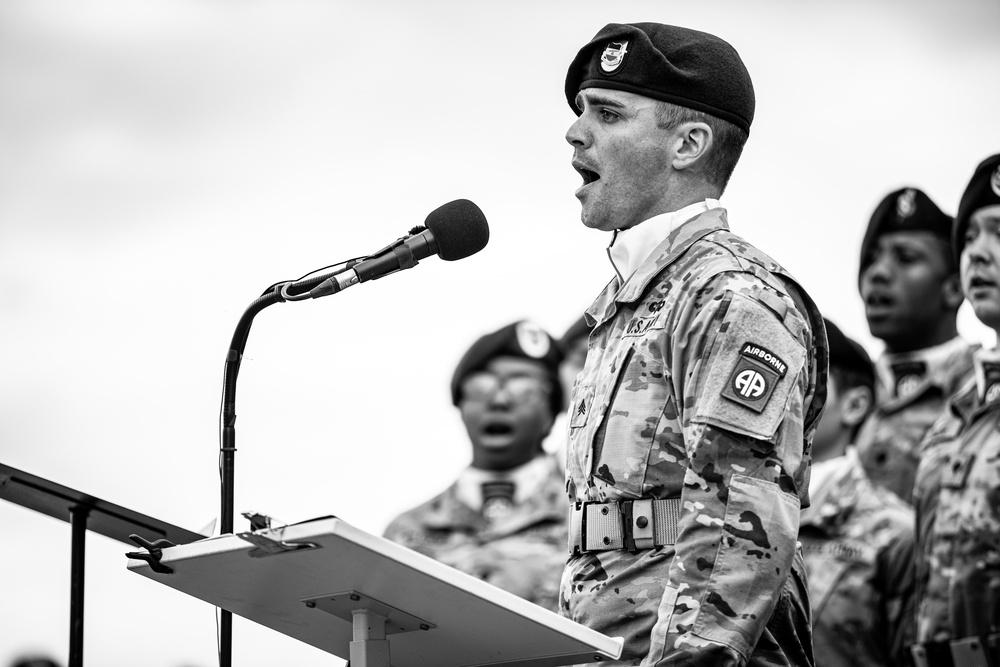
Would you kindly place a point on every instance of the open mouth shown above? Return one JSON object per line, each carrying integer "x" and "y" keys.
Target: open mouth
{"x": 497, "y": 429}
{"x": 588, "y": 175}
{"x": 978, "y": 282}
{"x": 878, "y": 299}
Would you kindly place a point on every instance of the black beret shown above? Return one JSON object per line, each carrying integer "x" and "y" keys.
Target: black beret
{"x": 905, "y": 210}
{"x": 520, "y": 339}
{"x": 685, "y": 67}
{"x": 983, "y": 190}
{"x": 847, "y": 354}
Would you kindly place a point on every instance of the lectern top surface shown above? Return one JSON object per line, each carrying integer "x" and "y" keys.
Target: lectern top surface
{"x": 305, "y": 579}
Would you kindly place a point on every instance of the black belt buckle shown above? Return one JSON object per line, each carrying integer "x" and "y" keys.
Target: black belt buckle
{"x": 581, "y": 547}
{"x": 625, "y": 507}
{"x": 938, "y": 654}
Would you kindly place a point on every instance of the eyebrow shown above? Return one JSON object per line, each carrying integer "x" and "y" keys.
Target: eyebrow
{"x": 596, "y": 99}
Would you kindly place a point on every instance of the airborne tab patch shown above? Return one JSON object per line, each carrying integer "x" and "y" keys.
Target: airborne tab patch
{"x": 754, "y": 377}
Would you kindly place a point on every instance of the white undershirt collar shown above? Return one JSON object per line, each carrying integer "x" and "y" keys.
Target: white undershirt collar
{"x": 631, "y": 247}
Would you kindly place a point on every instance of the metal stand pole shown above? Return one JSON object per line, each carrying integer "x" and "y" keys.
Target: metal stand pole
{"x": 370, "y": 648}
{"x": 78, "y": 523}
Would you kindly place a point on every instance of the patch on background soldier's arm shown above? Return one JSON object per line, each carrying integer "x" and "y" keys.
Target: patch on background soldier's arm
{"x": 754, "y": 365}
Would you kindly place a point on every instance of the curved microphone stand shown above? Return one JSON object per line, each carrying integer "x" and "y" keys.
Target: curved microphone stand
{"x": 279, "y": 293}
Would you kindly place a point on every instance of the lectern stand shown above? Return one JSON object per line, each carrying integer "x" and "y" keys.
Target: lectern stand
{"x": 363, "y": 598}
{"x": 84, "y": 512}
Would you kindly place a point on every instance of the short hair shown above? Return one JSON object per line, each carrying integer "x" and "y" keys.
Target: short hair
{"x": 848, "y": 378}
{"x": 728, "y": 140}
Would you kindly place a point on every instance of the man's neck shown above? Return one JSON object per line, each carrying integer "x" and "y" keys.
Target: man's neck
{"x": 939, "y": 335}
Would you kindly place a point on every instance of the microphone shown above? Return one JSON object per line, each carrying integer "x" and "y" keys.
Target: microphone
{"x": 454, "y": 231}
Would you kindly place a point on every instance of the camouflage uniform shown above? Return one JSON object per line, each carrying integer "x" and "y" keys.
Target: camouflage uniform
{"x": 857, "y": 540}
{"x": 660, "y": 411}
{"x": 959, "y": 594}
{"x": 912, "y": 390}
{"x": 523, "y": 551}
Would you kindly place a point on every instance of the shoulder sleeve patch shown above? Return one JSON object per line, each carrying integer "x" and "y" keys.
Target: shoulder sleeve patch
{"x": 754, "y": 366}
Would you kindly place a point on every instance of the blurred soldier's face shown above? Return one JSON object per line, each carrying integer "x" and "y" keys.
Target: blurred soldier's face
{"x": 980, "y": 265}
{"x": 903, "y": 288}
{"x": 506, "y": 411}
{"x": 843, "y": 411}
{"x": 623, "y": 157}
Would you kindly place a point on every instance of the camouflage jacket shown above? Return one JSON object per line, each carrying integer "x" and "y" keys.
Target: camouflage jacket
{"x": 857, "y": 540}
{"x": 959, "y": 548}
{"x": 907, "y": 403}
{"x": 702, "y": 382}
{"x": 523, "y": 553}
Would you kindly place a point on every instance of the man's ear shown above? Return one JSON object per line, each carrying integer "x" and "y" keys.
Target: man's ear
{"x": 951, "y": 291}
{"x": 855, "y": 404}
{"x": 693, "y": 140}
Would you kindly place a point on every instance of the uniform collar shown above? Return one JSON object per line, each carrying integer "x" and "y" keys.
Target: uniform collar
{"x": 987, "y": 373}
{"x": 631, "y": 247}
{"x": 527, "y": 478}
{"x": 676, "y": 243}
{"x": 938, "y": 365}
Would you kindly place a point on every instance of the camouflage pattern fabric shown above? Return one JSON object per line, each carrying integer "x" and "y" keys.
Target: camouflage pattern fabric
{"x": 889, "y": 442}
{"x": 858, "y": 543}
{"x": 702, "y": 382}
{"x": 523, "y": 553}
{"x": 959, "y": 595}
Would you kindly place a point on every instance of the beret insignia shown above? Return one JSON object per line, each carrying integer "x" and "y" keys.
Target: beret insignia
{"x": 533, "y": 340}
{"x": 613, "y": 56}
{"x": 906, "y": 204}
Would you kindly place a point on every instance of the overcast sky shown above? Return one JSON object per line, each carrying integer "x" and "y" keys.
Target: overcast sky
{"x": 163, "y": 162}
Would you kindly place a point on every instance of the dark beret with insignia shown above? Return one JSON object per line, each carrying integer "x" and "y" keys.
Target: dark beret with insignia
{"x": 848, "y": 355}
{"x": 684, "y": 67}
{"x": 521, "y": 339}
{"x": 904, "y": 210}
{"x": 983, "y": 190}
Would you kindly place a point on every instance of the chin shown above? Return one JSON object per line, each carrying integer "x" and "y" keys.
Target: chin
{"x": 988, "y": 313}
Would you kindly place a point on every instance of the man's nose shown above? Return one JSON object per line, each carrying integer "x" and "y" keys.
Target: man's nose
{"x": 879, "y": 270}
{"x": 578, "y": 134}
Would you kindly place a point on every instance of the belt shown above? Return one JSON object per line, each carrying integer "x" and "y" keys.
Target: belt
{"x": 976, "y": 651}
{"x": 632, "y": 525}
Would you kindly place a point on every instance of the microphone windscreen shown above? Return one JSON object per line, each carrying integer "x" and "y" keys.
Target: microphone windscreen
{"x": 459, "y": 228}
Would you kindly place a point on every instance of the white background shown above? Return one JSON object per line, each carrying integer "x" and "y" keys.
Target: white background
{"x": 163, "y": 162}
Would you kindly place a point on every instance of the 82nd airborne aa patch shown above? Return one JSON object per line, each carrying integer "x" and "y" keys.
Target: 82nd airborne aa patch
{"x": 754, "y": 377}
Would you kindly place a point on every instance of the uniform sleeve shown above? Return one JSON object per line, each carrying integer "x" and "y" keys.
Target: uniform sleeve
{"x": 742, "y": 371}
{"x": 895, "y": 577}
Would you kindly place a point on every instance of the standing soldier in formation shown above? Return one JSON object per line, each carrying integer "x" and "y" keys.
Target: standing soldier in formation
{"x": 691, "y": 422}
{"x": 857, "y": 538}
{"x": 911, "y": 291}
{"x": 958, "y": 607}
{"x": 504, "y": 519}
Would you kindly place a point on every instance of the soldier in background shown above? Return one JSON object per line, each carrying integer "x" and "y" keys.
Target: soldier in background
{"x": 504, "y": 519}
{"x": 911, "y": 291}
{"x": 691, "y": 423}
{"x": 857, "y": 538}
{"x": 958, "y": 585}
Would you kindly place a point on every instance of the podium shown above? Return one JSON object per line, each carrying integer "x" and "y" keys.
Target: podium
{"x": 369, "y": 600}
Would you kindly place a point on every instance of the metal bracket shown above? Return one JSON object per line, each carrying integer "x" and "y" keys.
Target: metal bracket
{"x": 342, "y": 605}
{"x": 268, "y": 547}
